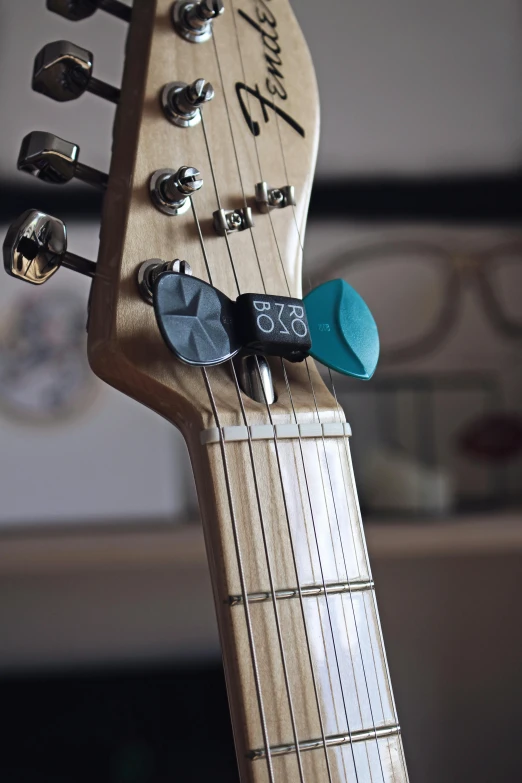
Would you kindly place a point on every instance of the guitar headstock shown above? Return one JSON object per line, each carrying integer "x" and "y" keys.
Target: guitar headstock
{"x": 214, "y": 147}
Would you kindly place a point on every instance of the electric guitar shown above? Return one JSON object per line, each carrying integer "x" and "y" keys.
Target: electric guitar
{"x": 196, "y": 311}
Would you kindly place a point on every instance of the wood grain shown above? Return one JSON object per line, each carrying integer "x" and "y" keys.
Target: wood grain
{"x": 275, "y": 514}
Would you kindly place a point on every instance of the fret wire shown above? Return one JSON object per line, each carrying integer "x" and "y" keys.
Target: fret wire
{"x": 374, "y": 597}
{"x": 332, "y": 740}
{"x": 270, "y": 578}
{"x": 321, "y": 569}
{"x": 313, "y": 591}
{"x": 348, "y": 578}
{"x": 244, "y": 592}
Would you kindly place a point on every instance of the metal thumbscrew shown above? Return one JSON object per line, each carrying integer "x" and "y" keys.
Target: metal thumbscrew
{"x": 35, "y": 248}
{"x": 150, "y": 270}
{"x": 55, "y": 160}
{"x": 171, "y": 190}
{"x": 63, "y": 72}
{"x": 181, "y": 102}
{"x": 193, "y": 20}
{"x": 76, "y": 10}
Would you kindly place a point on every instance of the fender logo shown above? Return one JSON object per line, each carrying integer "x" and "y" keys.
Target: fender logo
{"x": 266, "y": 25}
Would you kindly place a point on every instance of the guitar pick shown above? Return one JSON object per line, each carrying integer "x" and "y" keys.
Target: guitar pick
{"x": 195, "y": 319}
{"x": 343, "y": 330}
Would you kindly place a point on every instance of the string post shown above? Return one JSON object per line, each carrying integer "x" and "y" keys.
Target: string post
{"x": 171, "y": 190}
{"x": 182, "y": 102}
{"x": 194, "y": 20}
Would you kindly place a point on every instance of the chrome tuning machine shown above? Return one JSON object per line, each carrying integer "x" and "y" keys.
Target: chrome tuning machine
{"x": 35, "y": 248}
{"x": 55, "y": 160}
{"x": 268, "y": 198}
{"x": 171, "y": 190}
{"x": 63, "y": 72}
{"x": 193, "y": 19}
{"x": 182, "y": 102}
{"x": 76, "y": 10}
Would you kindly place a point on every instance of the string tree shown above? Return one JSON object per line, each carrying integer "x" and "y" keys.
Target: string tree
{"x": 182, "y": 103}
{"x": 268, "y": 198}
{"x": 194, "y": 19}
{"x": 55, "y": 160}
{"x": 171, "y": 190}
{"x": 229, "y": 221}
{"x": 77, "y": 10}
{"x": 63, "y": 71}
{"x": 35, "y": 247}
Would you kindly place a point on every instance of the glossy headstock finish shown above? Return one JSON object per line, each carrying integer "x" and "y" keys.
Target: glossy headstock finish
{"x": 256, "y": 48}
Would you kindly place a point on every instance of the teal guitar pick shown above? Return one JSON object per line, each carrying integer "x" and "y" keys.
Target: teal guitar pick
{"x": 343, "y": 331}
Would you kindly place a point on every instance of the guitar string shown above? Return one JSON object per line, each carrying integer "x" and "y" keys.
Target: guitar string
{"x": 326, "y": 458}
{"x": 237, "y": 547}
{"x": 349, "y": 583}
{"x": 270, "y": 576}
{"x": 236, "y": 156}
{"x": 383, "y": 655}
{"x": 374, "y": 597}
{"x": 238, "y": 391}
{"x": 289, "y": 391}
{"x": 207, "y": 145}
{"x": 368, "y": 571}
{"x": 244, "y": 592}
{"x": 269, "y": 567}
{"x": 299, "y": 589}
{"x": 288, "y": 287}
{"x": 287, "y": 284}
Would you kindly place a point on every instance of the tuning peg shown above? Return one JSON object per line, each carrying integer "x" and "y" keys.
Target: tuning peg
{"x": 35, "y": 248}
{"x": 63, "y": 71}
{"x": 182, "y": 102}
{"x": 55, "y": 160}
{"x": 76, "y": 10}
{"x": 194, "y": 20}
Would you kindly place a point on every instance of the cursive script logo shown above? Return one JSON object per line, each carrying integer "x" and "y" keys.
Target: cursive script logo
{"x": 266, "y": 25}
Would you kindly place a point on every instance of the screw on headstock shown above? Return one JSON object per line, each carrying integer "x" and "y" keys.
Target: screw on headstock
{"x": 193, "y": 20}
{"x": 35, "y": 248}
{"x": 171, "y": 190}
{"x": 76, "y": 10}
{"x": 63, "y": 72}
{"x": 182, "y": 102}
{"x": 55, "y": 160}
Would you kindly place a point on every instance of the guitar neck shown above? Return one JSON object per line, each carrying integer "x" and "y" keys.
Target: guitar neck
{"x": 305, "y": 666}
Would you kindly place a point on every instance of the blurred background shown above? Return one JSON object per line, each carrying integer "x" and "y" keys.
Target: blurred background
{"x": 108, "y": 643}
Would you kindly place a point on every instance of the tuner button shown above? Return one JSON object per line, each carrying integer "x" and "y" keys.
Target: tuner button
{"x": 55, "y": 160}
{"x": 36, "y": 246}
{"x": 193, "y": 20}
{"x": 63, "y": 72}
{"x": 76, "y": 10}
